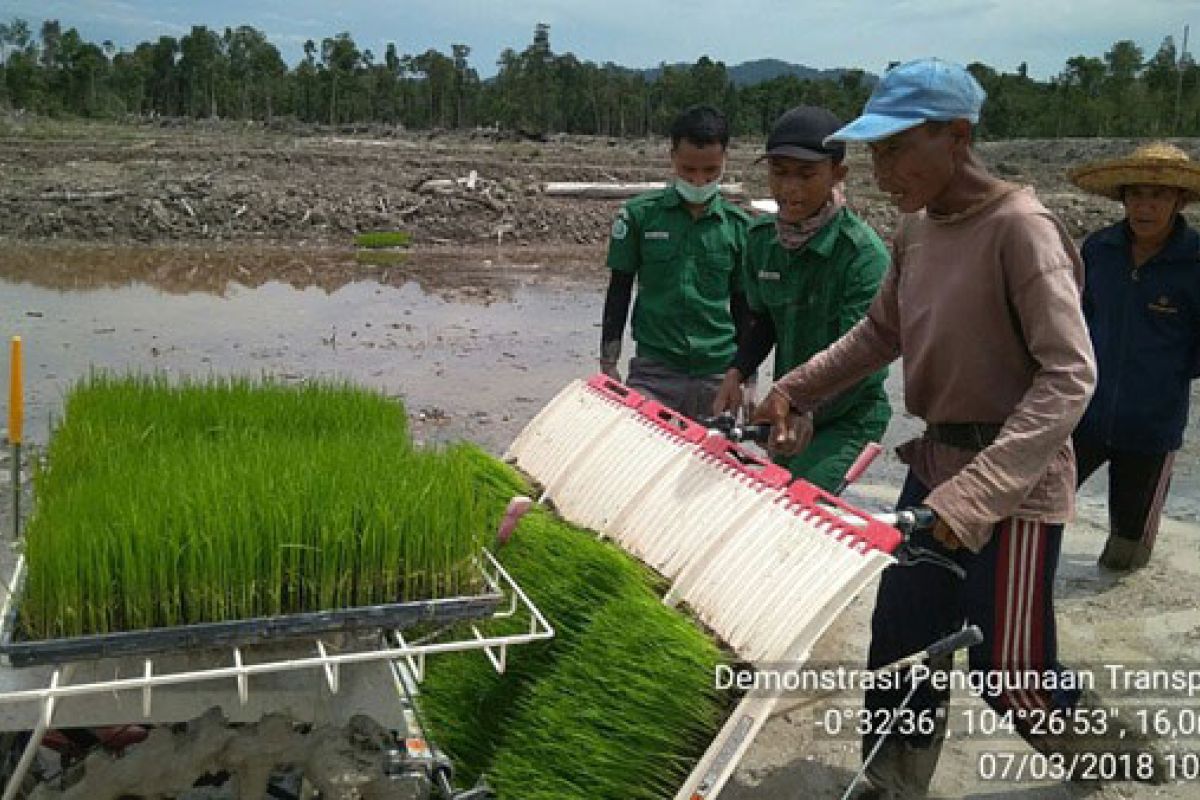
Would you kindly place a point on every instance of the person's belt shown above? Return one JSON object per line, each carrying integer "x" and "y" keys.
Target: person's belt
{"x": 973, "y": 436}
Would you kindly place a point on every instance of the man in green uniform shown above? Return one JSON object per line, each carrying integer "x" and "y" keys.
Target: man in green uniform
{"x": 812, "y": 270}
{"x": 683, "y": 245}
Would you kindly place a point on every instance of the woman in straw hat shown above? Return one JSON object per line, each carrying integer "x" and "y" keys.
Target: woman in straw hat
{"x": 1142, "y": 304}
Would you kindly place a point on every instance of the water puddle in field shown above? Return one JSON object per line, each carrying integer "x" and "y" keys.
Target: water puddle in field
{"x": 473, "y": 342}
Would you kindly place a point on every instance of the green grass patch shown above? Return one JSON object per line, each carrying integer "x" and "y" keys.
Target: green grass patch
{"x": 374, "y": 240}
{"x": 163, "y": 505}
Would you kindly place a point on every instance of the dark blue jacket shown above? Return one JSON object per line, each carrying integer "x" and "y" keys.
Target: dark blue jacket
{"x": 1145, "y": 328}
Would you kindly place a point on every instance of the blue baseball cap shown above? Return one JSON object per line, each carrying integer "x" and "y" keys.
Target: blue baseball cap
{"x": 912, "y": 93}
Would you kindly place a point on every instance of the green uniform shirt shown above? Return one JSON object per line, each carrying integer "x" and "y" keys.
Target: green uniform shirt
{"x": 685, "y": 270}
{"x": 815, "y": 294}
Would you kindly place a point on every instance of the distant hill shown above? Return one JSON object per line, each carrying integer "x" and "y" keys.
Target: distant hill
{"x": 749, "y": 73}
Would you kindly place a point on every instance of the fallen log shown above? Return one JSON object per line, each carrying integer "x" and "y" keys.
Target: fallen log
{"x": 619, "y": 191}
{"x": 437, "y": 186}
{"x": 69, "y": 196}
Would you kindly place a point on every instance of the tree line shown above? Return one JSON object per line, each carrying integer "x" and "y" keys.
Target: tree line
{"x": 239, "y": 74}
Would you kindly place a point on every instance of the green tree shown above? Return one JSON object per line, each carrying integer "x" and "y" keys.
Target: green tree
{"x": 255, "y": 67}
{"x": 24, "y": 81}
{"x": 85, "y": 75}
{"x": 439, "y": 76}
{"x": 466, "y": 85}
{"x": 1162, "y": 76}
{"x": 534, "y": 86}
{"x": 131, "y": 73}
{"x": 20, "y": 37}
{"x": 51, "y": 39}
{"x": 307, "y": 84}
{"x": 340, "y": 58}
{"x": 1080, "y": 85}
{"x": 1124, "y": 62}
{"x": 202, "y": 63}
{"x": 165, "y": 93}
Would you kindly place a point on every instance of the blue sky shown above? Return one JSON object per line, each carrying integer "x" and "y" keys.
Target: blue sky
{"x": 854, "y": 33}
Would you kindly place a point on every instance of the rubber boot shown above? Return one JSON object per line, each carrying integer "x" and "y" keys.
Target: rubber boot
{"x": 1124, "y": 555}
{"x": 1120, "y": 738}
{"x": 901, "y": 771}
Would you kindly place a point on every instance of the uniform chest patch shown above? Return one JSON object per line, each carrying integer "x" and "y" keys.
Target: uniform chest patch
{"x": 764, "y": 275}
{"x": 658, "y": 235}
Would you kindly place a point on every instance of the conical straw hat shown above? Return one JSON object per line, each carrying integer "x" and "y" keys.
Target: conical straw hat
{"x": 1154, "y": 164}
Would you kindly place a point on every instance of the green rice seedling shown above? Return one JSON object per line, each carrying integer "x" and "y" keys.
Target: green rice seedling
{"x": 646, "y": 668}
{"x": 381, "y": 239}
{"x": 570, "y": 576}
{"x": 624, "y": 714}
{"x": 151, "y": 407}
{"x": 495, "y": 482}
{"x": 228, "y": 499}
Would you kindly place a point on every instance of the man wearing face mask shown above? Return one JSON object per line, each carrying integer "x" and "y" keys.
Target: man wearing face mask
{"x": 683, "y": 247}
{"x": 812, "y": 270}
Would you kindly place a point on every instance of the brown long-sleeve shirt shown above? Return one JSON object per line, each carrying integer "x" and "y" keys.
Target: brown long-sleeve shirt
{"x": 984, "y": 307}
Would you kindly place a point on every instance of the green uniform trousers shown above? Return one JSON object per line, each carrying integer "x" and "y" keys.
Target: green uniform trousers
{"x": 837, "y": 443}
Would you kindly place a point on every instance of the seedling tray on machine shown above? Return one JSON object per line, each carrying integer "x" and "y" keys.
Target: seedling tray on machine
{"x": 388, "y": 616}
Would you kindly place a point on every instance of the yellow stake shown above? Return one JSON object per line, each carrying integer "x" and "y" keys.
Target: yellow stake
{"x": 16, "y": 421}
{"x": 16, "y": 400}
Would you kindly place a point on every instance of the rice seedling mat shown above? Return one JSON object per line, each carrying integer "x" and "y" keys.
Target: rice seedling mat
{"x": 231, "y": 511}
{"x": 321, "y": 665}
{"x": 234, "y": 633}
{"x": 765, "y": 562}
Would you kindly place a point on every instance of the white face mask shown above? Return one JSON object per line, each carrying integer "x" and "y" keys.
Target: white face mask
{"x": 697, "y": 195}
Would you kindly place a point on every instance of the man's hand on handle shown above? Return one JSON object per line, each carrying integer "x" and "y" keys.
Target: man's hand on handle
{"x": 790, "y": 432}
{"x": 946, "y": 535}
{"x": 729, "y": 395}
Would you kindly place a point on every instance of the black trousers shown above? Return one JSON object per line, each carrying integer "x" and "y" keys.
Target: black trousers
{"x": 1137, "y": 487}
{"x": 1008, "y": 592}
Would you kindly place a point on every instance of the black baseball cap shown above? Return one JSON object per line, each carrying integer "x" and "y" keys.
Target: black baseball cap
{"x": 801, "y": 132}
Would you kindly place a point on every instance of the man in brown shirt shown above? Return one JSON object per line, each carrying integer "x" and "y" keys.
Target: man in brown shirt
{"x": 983, "y": 302}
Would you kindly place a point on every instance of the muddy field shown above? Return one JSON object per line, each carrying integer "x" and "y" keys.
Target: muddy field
{"x": 223, "y": 183}
{"x": 227, "y": 249}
